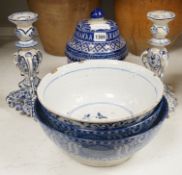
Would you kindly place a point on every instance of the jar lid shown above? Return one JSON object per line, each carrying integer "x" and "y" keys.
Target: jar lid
{"x": 97, "y": 28}
{"x": 96, "y": 38}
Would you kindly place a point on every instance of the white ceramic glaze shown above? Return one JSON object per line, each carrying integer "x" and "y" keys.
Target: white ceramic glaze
{"x": 100, "y": 91}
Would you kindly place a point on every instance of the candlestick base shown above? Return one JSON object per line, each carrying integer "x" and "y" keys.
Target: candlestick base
{"x": 22, "y": 101}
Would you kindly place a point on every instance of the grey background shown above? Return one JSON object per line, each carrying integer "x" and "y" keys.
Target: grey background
{"x": 9, "y": 6}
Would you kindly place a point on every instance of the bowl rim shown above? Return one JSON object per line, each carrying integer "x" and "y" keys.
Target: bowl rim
{"x": 91, "y": 62}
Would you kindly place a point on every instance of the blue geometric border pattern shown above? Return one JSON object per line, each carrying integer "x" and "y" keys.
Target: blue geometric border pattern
{"x": 74, "y": 55}
{"x": 97, "y": 47}
{"x": 78, "y": 50}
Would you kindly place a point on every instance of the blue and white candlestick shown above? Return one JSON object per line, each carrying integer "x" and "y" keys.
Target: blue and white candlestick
{"x": 27, "y": 59}
{"x": 156, "y": 57}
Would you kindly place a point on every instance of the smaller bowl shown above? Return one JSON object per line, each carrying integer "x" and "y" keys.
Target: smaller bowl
{"x": 101, "y": 152}
{"x": 100, "y": 133}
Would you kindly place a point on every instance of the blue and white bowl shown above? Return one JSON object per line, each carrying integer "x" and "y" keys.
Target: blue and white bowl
{"x": 100, "y": 93}
{"x": 96, "y": 132}
{"x": 101, "y": 152}
{"x": 96, "y": 38}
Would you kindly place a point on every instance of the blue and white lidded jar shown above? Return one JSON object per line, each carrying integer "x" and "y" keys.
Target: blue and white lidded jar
{"x": 96, "y": 38}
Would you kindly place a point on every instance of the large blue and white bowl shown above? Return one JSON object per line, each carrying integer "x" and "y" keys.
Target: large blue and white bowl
{"x": 100, "y": 93}
{"x": 101, "y": 152}
{"x": 96, "y": 38}
{"x": 105, "y": 132}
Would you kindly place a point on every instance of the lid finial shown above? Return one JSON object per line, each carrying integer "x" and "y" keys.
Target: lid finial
{"x": 97, "y": 13}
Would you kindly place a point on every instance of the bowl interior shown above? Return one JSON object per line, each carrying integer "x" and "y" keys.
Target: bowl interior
{"x": 100, "y": 91}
